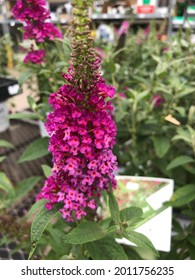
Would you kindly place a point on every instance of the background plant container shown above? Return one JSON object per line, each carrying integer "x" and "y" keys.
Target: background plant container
{"x": 8, "y": 88}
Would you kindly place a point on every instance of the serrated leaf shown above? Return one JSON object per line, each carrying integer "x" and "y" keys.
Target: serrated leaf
{"x": 130, "y": 213}
{"x": 181, "y": 160}
{"x": 38, "y": 226}
{"x": 183, "y": 195}
{"x": 47, "y": 170}
{"x": 26, "y": 185}
{"x": 114, "y": 209}
{"x": 6, "y": 144}
{"x": 141, "y": 241}
{"x": 161, "y": 145}
{"x": 37, "y": 149}
{"x": 106, "y": 249}
{"x": 85, "y": 232}
{"x": 6, "y": 185}
{"x": 38, "y": 206}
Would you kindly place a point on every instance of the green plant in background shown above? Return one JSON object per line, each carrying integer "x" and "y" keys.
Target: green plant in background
{"x": 154, "y": 111}
{"x": 5, "y": 54}
{"x": 13, "y": 228}
{"x": 44, "y": 59}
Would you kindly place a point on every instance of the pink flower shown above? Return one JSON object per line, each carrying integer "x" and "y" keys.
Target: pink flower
{"x": 99, "y": 133}
{"x": 36, "y": 16}
{"x": 91, "y": 204}
{"x": 74, "y": 141}
{"x": 82, "y": 135}
{"x": 158, "y": 100}
{"x": 35, "y": 56}
{"x": 124, "y": 28}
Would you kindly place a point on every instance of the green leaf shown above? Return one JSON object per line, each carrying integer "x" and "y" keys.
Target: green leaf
{"x": 2, "y": 158}
{"x": 131, "y": 253}
{"x": 4, "y": 143}
{"x": 6, "y": 185}
{"x": 120, "y": 115}
{"x": 40, "y": 204}
{"x": 191, "y": 239}
{"x": 161, "y": 145}
{"x": 130, "y": 213}
{"x": 184, "y": 93}
{"x": 31, "y": 102}
{"x": 110, "y": 66}
{"x": 185, "y": 134}
{"x": 26, "y": 185}
{"x": 106, "y": 249}
{"x": 33, "y": 116}
{"x": 183, "y": 195}
{"x": 39, "y": 224}
{"x": 191, "y": 249}
{"x": 181, "y": 160}
{"x": 114, "y": 209}
{"x": 141, "y": 241}
{"x": 57, "y": 242}
{"x": 46, "y": 170}
{"x": 37, "y": 149}
{"x": 85, "y": 232}
{"x": 25, "y": 76}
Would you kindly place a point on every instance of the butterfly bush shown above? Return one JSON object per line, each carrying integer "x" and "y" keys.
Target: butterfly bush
{"x": 35, "y": 56}
{"x": 81, "y": 129}
{"x": 37, "y": 25}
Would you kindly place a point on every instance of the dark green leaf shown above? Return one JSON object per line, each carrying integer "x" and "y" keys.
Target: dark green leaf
{"x": 57, "y": 242}
{"x": 37, "y": 149}
{"x": 161, "y": 145}
{"x": 114, "y": 209}
{"x": 191, "y": 239}
{"x": 38, "y": 226}
{"x": 85, "y": 232}
{"x": 130, "y": 213}
{"x": 191, "y": 250}
{"x": 181, "y": 160}
{"x": 183, "y": 195}
{"x": 141, "y": 241}
{"x": 26, "y": 185}
{"x": 180, "y": 236}
{"x": 106, "y": 249}
{"x": 131, "y": 254}
{"x": 38, "y": 206}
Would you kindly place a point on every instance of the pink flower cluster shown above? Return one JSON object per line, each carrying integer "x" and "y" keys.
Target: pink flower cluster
{"x": 82, "y": 135}
{"x": 35, "y": 56}
{"x": 36, "y": 16}
{"x": 158, "y": 100}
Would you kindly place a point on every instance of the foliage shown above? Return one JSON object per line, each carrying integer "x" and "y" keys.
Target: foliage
{"x": 85, "y": 239}
{"x": 155, "y": 116}
{"x": 5, "y": 53}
